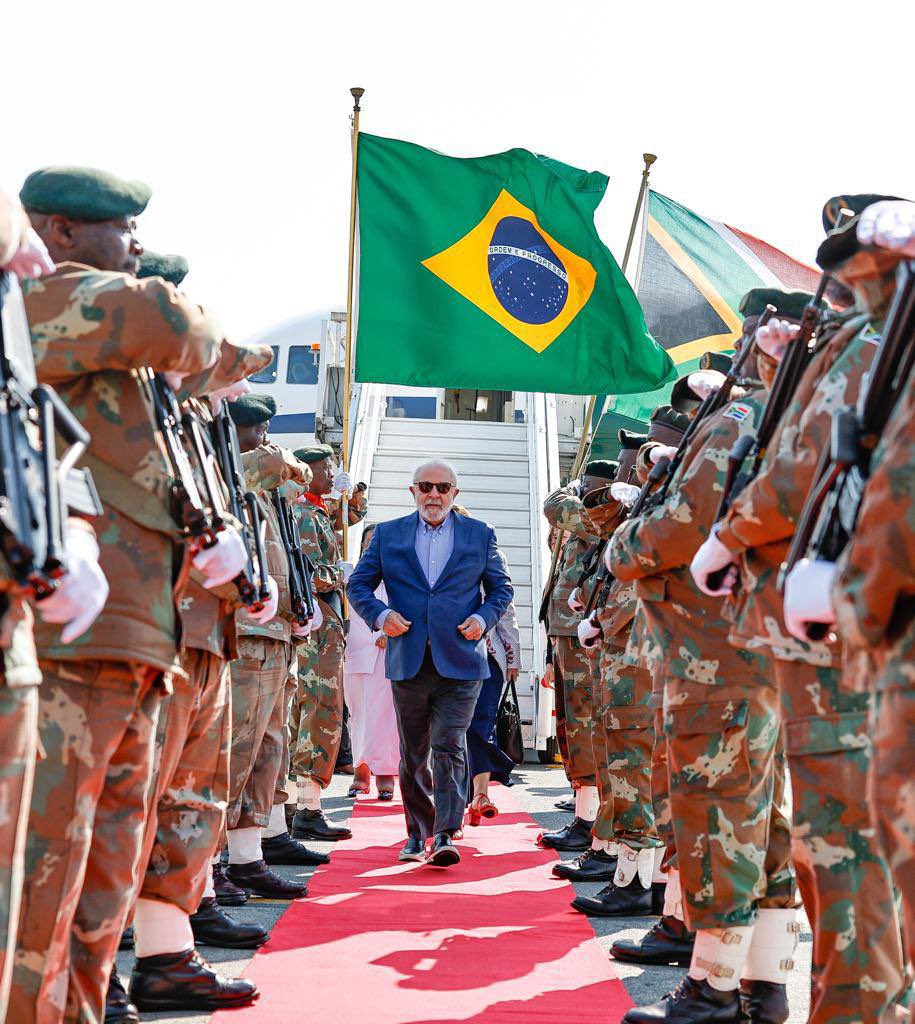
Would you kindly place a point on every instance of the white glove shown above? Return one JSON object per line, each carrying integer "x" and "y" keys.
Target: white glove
{"x": 889, "y": 224}
{"x": 624, "y": 493}
{"x": 347, "y": 568}
{"x": 661, "y": 451}
{"x": 775, "y": 336}
{"x": 705, "y": 382}
{"x": 268, "y": 612}
{"x": 343, "y": 482}
{"x": 575, "y": 602}
{"x": 711, "y": 557}
{"x": 228, "y": 394}
{"x": 302, "y": 632}
{"x": 575, "y": 487}
{"x": 808, "y": 596}
{"x": 82, "y": 592}
{"x": 317, "y": 620}
{"x": 224, "y": 560}
{"x": 173, "y": 379}
{"x": 587, "y": 633}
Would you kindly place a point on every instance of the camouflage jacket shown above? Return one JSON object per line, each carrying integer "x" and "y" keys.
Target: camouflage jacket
{"x": 90, "y": 330}
{"x": 762, "y": 519}
{"x": 875, "y": 583}
{"x": 265, "y": 469}
{"x": 319, "y": 540}
{"x": 677, "y": 629}
{"x": 565, "y": 511}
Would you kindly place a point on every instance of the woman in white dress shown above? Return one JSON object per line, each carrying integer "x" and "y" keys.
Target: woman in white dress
{"x": 368, "y": 695}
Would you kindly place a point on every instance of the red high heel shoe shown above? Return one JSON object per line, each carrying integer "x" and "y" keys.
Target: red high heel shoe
{"x": 482, "y": 807}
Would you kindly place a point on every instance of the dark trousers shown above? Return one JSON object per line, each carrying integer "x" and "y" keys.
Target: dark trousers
{"x": 433, "y": 714}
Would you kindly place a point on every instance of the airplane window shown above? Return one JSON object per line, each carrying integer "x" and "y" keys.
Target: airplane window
{"x": 268, "y": 374}
{"x": 303, "y": 365}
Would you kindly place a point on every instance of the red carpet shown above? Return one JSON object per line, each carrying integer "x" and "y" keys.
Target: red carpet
{"x": 491, "y": 941}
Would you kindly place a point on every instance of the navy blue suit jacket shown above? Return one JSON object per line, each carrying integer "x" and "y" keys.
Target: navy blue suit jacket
{"x": 473, "y": 581}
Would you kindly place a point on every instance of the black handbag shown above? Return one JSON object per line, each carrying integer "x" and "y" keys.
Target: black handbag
{"x": 508, "y": 724}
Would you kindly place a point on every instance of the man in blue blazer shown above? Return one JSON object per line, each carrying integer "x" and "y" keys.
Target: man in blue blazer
{"x": 447, "y": 587}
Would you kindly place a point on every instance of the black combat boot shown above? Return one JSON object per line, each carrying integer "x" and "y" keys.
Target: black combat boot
{"x": 591, "y": 866}
{"x": 764, "y": 1002}
{"x": 228, "y": 894}
{"x": 185, "y": 981}
{"x": 668, "y": 942}
{"x": 691, "y": 1002}
{"x": 573, "y": 837}
{"x": 118, "y": 1008}
{"x": 632, "y": 900}
{"x": 258, "y": 880}
{"x": 212, "y": 926}
{"x": 313, "y": 825}
{"x": 283, "y": 849}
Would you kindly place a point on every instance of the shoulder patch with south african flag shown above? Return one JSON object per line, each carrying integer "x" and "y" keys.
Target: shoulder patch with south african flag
{"x": 738, "y": 411}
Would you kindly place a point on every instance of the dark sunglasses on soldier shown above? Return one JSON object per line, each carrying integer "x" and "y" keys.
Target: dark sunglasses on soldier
{"x": 426, "y": 486}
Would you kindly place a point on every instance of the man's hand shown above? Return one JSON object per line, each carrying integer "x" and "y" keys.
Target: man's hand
{"x": 343, "y": 482}
{"x": 588, "y": 633}
{"x": 224, "y": 560}
{"x": 268, "y": 612}
{"x": 31, "y": 259}
{"x": 512, "y": 674}
{"x": 381, "y": 641}
{"x": 575, "y": 602}
{"x": 711, "y": 558}
{"x": 775, "y": 336}
{"x": 549, "y": 675}
{"x": 661, "y": 451}
{"x": 347, "y": 568}
{"x": 82, "y": 592}
{"x": 471, "y": 628}
{"x": 228, "y": 394}
{"x": 889, "y": 224}
{"x": 705, "y": 382}
{"x": 301, "y": 632}
{"x": 808, "y": 597}
{"x": 395, "y": 624}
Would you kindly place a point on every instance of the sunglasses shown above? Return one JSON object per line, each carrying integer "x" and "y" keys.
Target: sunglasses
{"x": 426, "y": 486}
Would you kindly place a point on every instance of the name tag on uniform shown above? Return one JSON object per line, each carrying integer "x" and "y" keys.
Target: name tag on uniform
{"x": 738, "y": 411}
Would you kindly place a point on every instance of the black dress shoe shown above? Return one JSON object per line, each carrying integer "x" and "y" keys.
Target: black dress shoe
{"x": 443, "y": 852}
{"x": 691, "y": 1002}
{"x": 565, "y": 805}
{"x": 228, "y": 894}
{"x": 285, "y": 850}
{"x": 126, "y": 939}
{"x": 289, "y": 811}
{"x": 630, "y": 900}
{"x": 575, "y": 836}
{"x": 258, "y": 880}
{"x": 185, "y": 981}
{"x": 212, "y": 926}
{"x": 764, "y": 1002}
{"x": 313, "y": 825}
{"x": 385, "y": 795}
{"x": 591, "y": 866}
{"x": 118, "y": 1008}
{"x": 668, "y": 942}
{"x": 414, "y": 849}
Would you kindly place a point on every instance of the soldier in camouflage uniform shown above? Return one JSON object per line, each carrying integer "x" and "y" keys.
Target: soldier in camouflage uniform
{"x": 573, "y": 672}
{"x": 100, "y": 695}
{"x": 721, "y": 727}
{"x": 842, "y": 873}
{"x": 263, "y": 674}
{"x": 317, "y": 719}
{"x": 176, "y": 906}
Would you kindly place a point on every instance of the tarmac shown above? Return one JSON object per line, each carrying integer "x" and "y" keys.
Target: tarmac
{"x": 538, "y": 788}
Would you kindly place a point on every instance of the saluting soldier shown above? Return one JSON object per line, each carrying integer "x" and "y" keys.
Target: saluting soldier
{"x": 842, "y": 872}
{"x": 317, "y": 717}
{"x": 92, "y": 324}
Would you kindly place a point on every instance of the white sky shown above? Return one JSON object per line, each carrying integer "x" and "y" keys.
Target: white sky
{"x": 237, "y": 114}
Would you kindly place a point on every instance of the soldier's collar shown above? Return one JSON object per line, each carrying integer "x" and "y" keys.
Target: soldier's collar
{"x": 317, "y": 500}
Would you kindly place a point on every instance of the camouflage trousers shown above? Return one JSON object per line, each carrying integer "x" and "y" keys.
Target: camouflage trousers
{"x": 660, "y": 778}
{"x": 317, "y": 716}
{"x": 842, "y": 873}
{"x": 97, "y": 725}
{"x": 192, "y": 783}
{"x": 261, "y": 675}
{"x": 574, "y": 672}
{"x": 622, "y": 738}
{"x": 18, "y": 743}
{"x": 733, "y": 844}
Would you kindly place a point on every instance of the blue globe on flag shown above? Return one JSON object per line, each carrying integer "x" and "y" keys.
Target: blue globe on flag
{"x": 527, "y": 277}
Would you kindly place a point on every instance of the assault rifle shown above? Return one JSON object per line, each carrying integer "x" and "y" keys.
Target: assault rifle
{"x": 832, "y": 506}
{"x": 300, "y": 569}
{"x": 36, "y": 488}
{"x": 252, "y": 582}
{"x": 710, "y": 405}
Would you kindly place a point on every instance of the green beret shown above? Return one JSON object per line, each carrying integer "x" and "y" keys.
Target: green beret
{"x": 156, "y": 264}
{"x": 682, "y": 396}
{"x": 667, "y": 425}
{"x": 720, "y": 361}
{"x": 788, "y": 304}
{"x": 83, "y": 193}
{"x": 249, "y": 410}
{"x": 314, "y": 453}
{"x": 630, "y": 441}
{"x": 842, "y": 242}
{"x": 602, "y": 468}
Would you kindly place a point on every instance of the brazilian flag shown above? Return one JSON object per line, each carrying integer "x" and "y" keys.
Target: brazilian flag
{"x": 488, "y": 273}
